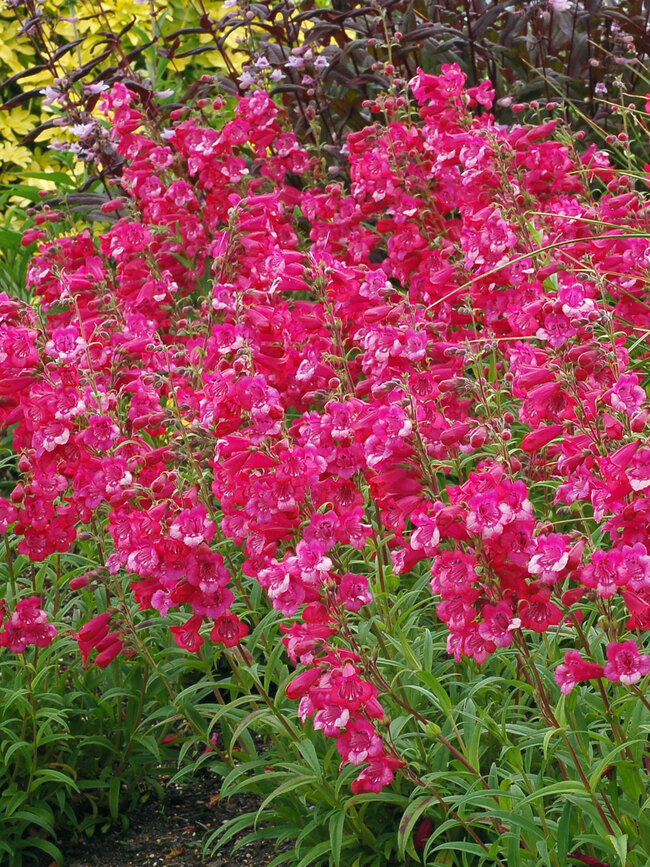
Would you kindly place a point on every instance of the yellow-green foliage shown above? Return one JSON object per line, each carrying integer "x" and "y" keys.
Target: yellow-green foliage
{"x": 64, "y": 23}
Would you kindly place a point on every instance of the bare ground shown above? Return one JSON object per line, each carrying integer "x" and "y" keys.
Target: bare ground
{"x": 171, "y": 833}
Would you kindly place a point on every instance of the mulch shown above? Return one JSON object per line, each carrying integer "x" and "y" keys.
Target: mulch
{"x": 170, "y": 834}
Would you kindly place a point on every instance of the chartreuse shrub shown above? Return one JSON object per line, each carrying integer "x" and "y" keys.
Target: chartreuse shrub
{"x": 55, "y": 55}
{"x": 354, "y": 469}
{"x": 50, "y": 47}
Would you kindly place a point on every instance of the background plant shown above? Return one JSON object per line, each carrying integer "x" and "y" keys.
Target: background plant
{"x": 584, "y": 54}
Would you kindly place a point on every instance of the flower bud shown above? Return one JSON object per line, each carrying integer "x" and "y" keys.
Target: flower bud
{"x": 301, "y": 684}
{"x": 92, "y": 630}
{"x": 639, "y": 421}
{"x": 18, "y": 493}
{"x": 107, "y": 656}
{"x": 539, "y": 438}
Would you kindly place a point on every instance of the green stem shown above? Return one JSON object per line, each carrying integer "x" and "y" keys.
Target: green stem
{"x": 379, "y": 547}
{"x": 129, "y": 746}
{"x": 10, "y": 567}
{"x": 34, "y": 713}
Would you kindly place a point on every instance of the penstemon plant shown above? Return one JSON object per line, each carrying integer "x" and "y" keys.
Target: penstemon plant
{"x": 393, "y": 431}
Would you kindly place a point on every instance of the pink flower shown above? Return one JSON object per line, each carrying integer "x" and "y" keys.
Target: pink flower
{"x": 538, "y": 613}
{"x": 8, "y": 514}
{"x": 379, "y": 773}
{"x": 477, "y": 646}
{"x": 541, "y": 437}
{"x": 633, "y": 568}
{"x": 192, "y": 526}
{"x": 488, "y": 514}
{"x": 638, "y": 604}
{"x": 108, "y": 650}
{"x": 323, "y": 528}
{"x": 353, "y": 591}
{"x": 303, "y": 640}
{"x": 228, "y": 630}
{"x": 331, "y": 720}
{"x": 603, "y": 573}
{"x": 551, "y": 557}
{"x": 66, "y": 344}
{"x": 483, "y": 94}
{"x": 557, "y": 330}
{"x": 349, "y": 690}
{"x": 188, "y": 636}
{"x": 302, "y": 683}
{"x": 454, "y": 573}
{"x": 626, "y": 665}
{"x": 102, "y": 433}
{"x": 458, "y": 611}
{"x": 498, "y": 624}
{"x": 627, "y": 395}
{"x": 638, "y": 470}
{"x": 575, "y": 670}
{"x": 426, "y": 536}
{"x": 50, "y": 435}
{"x": 359, "y": 742}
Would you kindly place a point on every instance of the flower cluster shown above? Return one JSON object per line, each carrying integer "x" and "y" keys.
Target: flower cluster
{"x": 343, "y": 706}
{"x": 28, "y": 625}
{"x": 333, "y": 384}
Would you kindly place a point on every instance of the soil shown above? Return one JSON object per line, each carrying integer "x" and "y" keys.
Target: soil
{"x": 170, "y": 834}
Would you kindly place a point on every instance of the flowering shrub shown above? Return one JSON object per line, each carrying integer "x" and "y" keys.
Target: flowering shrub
{"x": 414, "y": 399}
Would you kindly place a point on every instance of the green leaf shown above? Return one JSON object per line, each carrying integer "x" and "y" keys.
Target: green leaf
{"x": 568, "y": 787}
{"x": 230, "y": 829}
{"x": 514, "y": 849}
{"x": 550, "y": 733}
{"x": 114, "y": 797}
{"x": 308, "y": 752}
{"x": 460, "y": 846}
{"x": 248, "y": 720}
{"x": 564, "y": 834}
{"x": 337, "y": 823}
{"x": 45, "y": 775}
{"x": 409, "y": 818}
{"x": 316, "y": 853}
{"x": 620, "y": 845}
{"x": 150, "y": 744}
{"x": 282, "y": 858}
{"x": 597, "y": 773}
{"x": 10, "y": 239}
{"x": 35, "y": 818}
{"x": 48, "y": 847}
{"x": 290, "y": 786}
{"x": 26, "y": 192}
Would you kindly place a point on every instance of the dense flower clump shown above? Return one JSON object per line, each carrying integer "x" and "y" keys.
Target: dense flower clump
{"x": 334, "y": 382}
{"x": 28, "y": 625}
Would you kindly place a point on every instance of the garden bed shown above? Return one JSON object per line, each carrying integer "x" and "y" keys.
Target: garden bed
{"x": 170, "y": 832}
